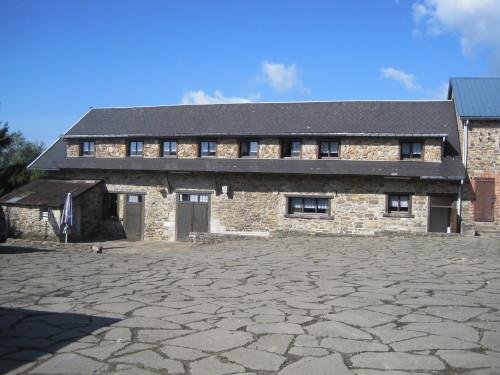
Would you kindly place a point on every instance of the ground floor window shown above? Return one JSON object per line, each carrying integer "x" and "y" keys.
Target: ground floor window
{"x": 110, "y": 206}
{"x": 399, "y": 203}
{"x": 44, "y": 213}
{"x": 308, "y": 205}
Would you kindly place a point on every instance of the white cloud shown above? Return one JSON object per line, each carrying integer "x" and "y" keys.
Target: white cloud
{"x": 476, "y": 22}
{"x": 438, "y": 93}
{"x": 200, "y": 97}
{"x": 282, "y": 77}
{"x": 407, "y": 79}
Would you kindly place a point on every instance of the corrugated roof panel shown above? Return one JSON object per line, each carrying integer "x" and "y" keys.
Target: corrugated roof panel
{"x": 477, "y": 97}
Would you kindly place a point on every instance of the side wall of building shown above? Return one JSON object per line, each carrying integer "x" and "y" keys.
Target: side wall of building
{"x": 483, "y": 161}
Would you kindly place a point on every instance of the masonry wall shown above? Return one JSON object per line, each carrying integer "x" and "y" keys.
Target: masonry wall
{"x": 484, "y": 161}
{"x": 258, "y": 202}
{"x": 27, "y": 222}
{"x": 351, "y": 148}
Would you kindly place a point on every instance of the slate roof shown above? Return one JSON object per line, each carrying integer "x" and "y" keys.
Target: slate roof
{"x": 368, "y": 118}
{"x": 268, "y": 119}
{"x": 46, "y": 193}
{"x": 450, "y": 168}
{"x": 476, "y": 98}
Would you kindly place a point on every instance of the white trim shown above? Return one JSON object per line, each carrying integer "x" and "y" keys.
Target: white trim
{"x": 53, "y": 143}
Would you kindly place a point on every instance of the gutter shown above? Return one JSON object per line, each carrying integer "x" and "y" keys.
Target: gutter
{"x": 289, "y": 134}
{"x": 465, "y": 156}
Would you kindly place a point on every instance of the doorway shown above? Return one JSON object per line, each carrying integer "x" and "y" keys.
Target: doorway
{"x": 134, "y": 216}
{"x": 192, "y": 214}
{"x": 442, "y": 214}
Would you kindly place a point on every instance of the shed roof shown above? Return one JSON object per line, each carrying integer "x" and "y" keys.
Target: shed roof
{"x": 476, "y": 97}
{"x": 47, "y": 193}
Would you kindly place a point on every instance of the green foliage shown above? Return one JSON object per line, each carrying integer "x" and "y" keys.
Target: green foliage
{"x": 16, "y": 153}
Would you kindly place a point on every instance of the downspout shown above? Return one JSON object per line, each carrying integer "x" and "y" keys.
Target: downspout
{"x": 465, "y": 149}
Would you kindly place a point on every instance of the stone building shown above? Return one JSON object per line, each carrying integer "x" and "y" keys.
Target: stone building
{"x": 356, "y": 167}
{"x": 477, "y": 103}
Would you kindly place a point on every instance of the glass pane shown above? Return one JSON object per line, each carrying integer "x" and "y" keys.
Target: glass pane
{"x": 253, "y": 148}
{"x": 295, "y": 149}
{"x": 139, "y": 147}
{"x": 405, "y": 150}
{"x": 133, "y": 198}
{"x": 213, "y": 146}
{"x": 166, "y": 148}
{"x": 324, "y": 149}
{"x": 204, "y": 148}
{"x": 244, "y": 148}
{"x": 184, "y": 197}
{"x": 323, "y": 203}
{"x": 193, "y": 198}
{"x": 295, "y": 205}
{"x": 309, "y": 205}
{"x": 173, "y": 147}
{"x": 334, "y": 148}
{"x": 203, "y": 198}
{"x": 393, "y": 202}
{"x": 92, "y": 146}
{"x": 403, "y": 202}
{"x": 417, "y": 149}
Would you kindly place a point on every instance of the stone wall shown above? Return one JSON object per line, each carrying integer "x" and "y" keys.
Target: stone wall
{"x": 484, "y": 159}
{"x": 111, "y": 148}
{"x": 367, "y": 148}
{"x": 309, "y": 148}
{"x": 257, "y": 203}
{"x": 227, "y": 148}
{"x": 151, "y": 148}
{"x": 351, "y": 148}
{"x": 187, "y": 148}
{"x": 433, "y": 150}
{"x": 269, "y": 148}
{"x": 72, "y": 148}
{"x": 27, "y": 222}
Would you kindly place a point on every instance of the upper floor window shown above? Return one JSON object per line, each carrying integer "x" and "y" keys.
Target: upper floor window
{"x": 398, "y": 204}
{"x": 169, "y": 148}
{"x": 208, "y": 148}
{"x": 329, "y": 149}
{"x": 290, "y": 149}
{"x": 308, "y": 205}
{"x": 249, "y": 149}
{"x": 135, "y": 148}
{"x": 87, "y": 148}
{"x": 411, "y": 150}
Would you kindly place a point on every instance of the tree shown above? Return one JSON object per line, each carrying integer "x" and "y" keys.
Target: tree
{"x": 16, "y": 153}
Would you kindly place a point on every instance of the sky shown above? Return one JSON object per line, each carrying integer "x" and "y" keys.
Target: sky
{"x": 60, "y": 57}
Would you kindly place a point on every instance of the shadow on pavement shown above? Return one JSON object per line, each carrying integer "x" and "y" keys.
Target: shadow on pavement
{"x": 9, "y": 249}
{"x": 26, "y": 335}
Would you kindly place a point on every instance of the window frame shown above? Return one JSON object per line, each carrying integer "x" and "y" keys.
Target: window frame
{"x": 82, "y": 148}
{"x": 129, "y": 148}
{"x": 399, "y": 213}
{"x": 105, "y": 207}
{"x": 248, "y": 141}
{"x": 333, "y": 140}
{"x": 308, "y": 215}
{"x": 162, "y": 148}
{"x": 289, "y": 142}
{"x": 411, "y": 142}
{"x": 200, "y": 151}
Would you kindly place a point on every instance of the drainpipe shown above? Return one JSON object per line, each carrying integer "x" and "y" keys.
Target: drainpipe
{"x": 465, "y": 153}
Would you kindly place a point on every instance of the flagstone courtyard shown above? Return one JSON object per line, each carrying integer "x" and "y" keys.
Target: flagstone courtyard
{"x": 288, "y": 306}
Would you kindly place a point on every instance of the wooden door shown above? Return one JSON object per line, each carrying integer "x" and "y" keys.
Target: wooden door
{"x": 192, "y": 214}
{"x": 134, "y": 216}
{"x": 484, "y": 204}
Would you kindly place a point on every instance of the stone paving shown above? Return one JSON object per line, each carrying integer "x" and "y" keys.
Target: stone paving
{"x": 292, "y": 306}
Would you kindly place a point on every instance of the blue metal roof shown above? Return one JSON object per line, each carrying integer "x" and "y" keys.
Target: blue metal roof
{"x": 476, "y": 97}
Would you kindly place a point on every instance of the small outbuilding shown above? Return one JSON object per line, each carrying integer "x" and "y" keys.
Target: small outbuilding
{"x": 34, "y": 210}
